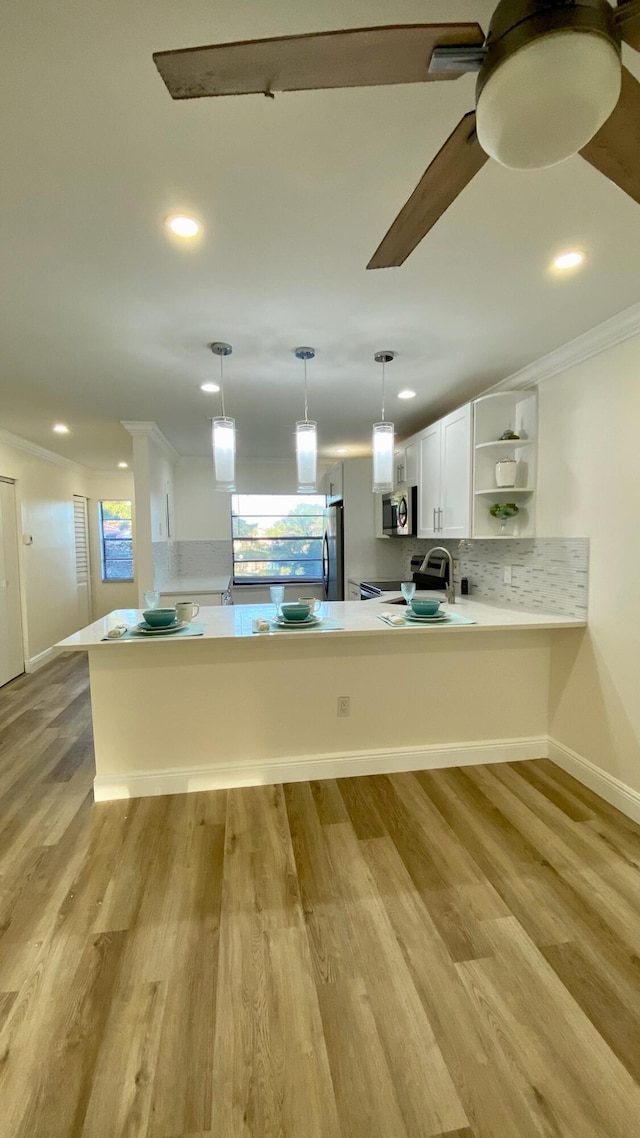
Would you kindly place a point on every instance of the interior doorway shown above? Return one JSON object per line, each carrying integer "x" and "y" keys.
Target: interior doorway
{"x": 11, "y": 642}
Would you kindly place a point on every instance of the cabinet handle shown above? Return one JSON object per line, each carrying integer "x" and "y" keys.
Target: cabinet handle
{"x": 439, "y": 519}
{"x": 435, "y": 523}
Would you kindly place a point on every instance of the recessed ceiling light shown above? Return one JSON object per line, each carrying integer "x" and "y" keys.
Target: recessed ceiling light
{"x": 342, "y": 450}
{"x": 569, "y": 260}
{"x": 406, "y": 394}
{"x": 61, "y": 428}
{"x": 123, "y": 465}
{"x": 182, "y": 225}
{"x": 210, "y": 388}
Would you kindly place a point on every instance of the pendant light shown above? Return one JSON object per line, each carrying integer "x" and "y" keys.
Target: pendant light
{"x": 224, "y": 433}
{"x": 383, "y": 440}
{"x": 306, "y": 436}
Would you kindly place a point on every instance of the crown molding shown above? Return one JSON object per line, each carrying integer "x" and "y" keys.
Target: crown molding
{"x": 623, "y": 326}
{"x": 150, "y": 430}
{"x": 25, "y": 445}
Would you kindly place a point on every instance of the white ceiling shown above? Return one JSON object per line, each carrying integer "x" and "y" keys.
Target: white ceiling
{"x": 104, "y": 318}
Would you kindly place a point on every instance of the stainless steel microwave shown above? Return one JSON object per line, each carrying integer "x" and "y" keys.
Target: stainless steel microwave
{"x": 399, "y": 512}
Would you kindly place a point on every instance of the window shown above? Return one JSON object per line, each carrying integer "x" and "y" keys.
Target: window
{"x": 116, "y": 541}
{"x": 276, "y": 536}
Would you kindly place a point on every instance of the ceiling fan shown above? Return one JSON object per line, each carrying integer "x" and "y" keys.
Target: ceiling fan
{"x": 550, "y": 84}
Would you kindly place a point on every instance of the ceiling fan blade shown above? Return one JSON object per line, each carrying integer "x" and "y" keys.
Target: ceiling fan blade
{"x": 355, "y": 57}
{"x": 627, "y": 18}
{"x": 452, "y": 169}
{"x": 615, "y": 149}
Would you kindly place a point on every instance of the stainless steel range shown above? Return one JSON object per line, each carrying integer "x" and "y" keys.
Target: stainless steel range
{"x": 435, "y": 575}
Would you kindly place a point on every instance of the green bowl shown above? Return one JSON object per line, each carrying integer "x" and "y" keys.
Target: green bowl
{"x": 159, "y": 618}
{"x": 296, "y": 610}
{"x": 425, "y": 606}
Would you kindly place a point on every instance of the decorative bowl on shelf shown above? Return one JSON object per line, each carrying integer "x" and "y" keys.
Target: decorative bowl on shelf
{"x": 508, "y": 434}
{"x": 504, "y": 510}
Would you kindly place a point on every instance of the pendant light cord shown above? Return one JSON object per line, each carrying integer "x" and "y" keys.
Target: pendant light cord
{"x": 222, "y": 386}
{"x": 306, "y": 393}
{"x": 383, "y": 366}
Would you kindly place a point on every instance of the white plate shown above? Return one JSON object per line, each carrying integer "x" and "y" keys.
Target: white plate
{"x": 310, "y": 620}
{"x": 158, "y": 631}
{"x": 436, "y": 619}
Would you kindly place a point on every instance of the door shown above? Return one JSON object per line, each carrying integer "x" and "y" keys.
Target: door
{"x": 83, "y": 575}
{"x": 455, "y": 493}
{"x": 429, "y": 482}
{"x": 11, "y": 646}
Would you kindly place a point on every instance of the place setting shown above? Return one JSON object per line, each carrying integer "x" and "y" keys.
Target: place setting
{"x": 304, "y": 613}
{"x": 158, "y": 622}
{"x": 421, "y": 611}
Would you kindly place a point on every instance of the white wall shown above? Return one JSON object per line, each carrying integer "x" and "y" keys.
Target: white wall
{"x": 201, "y": 513}
{"x": 44, "y": 493}
{"x": 589, "y": 486}
{"x": 108, "y": 595}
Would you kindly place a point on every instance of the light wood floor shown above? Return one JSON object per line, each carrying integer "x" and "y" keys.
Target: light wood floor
{"x": 450, "y": 953}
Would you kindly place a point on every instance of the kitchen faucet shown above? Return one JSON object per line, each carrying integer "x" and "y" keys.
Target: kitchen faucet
{"x": 451, "y": 589}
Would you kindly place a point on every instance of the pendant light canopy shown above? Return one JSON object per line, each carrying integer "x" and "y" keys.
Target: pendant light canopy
{"x": 224, "y": 433}
{"x": 383, "y": 440}
{"x": 306, "y": 436}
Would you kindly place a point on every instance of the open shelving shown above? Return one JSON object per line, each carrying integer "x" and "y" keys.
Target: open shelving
{"x": 493, "y": 414}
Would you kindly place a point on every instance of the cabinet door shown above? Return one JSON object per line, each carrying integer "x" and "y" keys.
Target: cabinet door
{"x": 429, "y": 481}
{"x": 455, "y": 492}
{"x": 399, "y": 467}
{"x": 412, "y": 463}
{"x": 335, "y": 483}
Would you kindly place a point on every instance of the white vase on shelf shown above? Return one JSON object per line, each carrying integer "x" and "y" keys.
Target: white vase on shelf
{"x": 506, "y": 473}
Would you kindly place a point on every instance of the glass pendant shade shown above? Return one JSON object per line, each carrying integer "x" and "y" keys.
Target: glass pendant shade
{"x": 383, "y": 446}
{"x": 307, "y": 456}
{"x": 224, "y": 453}
{"x": 547, "y": 100}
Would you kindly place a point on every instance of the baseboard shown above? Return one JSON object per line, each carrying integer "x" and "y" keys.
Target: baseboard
{"x": 39, "y": 661}
{"x": 301, "y": 768}
{"x": 617, "y": 793}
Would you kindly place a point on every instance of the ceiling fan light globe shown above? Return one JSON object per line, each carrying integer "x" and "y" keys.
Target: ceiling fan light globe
{"x": 546, "y": 101}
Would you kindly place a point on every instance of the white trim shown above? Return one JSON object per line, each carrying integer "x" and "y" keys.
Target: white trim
{"x": 18, "y": 443}
{"x": 302, "y": 768}
{"x": 152, "y": 431}
{"x": 617, "y": 793}
{"x": 623, "y": 326}
{"x": 39, "y": 661}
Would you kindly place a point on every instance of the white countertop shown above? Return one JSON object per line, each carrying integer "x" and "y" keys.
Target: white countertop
{"x": 358, "y": 618}
{"x": 200, "y": 585}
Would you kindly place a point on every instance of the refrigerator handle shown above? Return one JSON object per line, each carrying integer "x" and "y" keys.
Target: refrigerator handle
{"x": 325, "y": 565}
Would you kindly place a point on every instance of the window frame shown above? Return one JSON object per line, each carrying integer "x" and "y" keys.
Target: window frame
{"x": 104, "y": 559}
{"x": 256, "y": 581}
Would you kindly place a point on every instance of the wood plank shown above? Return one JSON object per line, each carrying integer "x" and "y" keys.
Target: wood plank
{"x": 243, "y": 963}
{"x": 350, "y": 57}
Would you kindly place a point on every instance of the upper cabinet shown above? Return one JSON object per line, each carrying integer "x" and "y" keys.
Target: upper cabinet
{"x": 444, "y": 477}
{"x": 504, "y": 470}
{"x": 334, "y": 483}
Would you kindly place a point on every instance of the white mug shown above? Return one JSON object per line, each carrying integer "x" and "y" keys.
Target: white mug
{"x": 186, "y": 610}
{"x": 313, "y": 601}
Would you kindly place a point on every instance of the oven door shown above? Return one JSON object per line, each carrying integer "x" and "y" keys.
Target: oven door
{"x": 406, "y": 511}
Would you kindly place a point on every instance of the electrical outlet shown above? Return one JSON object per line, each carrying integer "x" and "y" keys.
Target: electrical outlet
{"x": 344, "y": 706}
{"x": 506, "y": 575}
{"x": 456, "y": 566}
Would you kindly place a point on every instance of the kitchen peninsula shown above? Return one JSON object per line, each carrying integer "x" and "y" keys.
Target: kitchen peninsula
{"x": 234, "y": 708}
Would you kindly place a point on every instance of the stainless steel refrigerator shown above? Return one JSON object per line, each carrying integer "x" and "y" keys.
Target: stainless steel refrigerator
{"x": 333, "y": 553}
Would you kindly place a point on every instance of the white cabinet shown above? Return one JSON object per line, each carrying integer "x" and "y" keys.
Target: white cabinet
{"x": 335, "y": 483}
{"x": 444, "y": 482}
{"x": 406, "y": 462}
{"x": 354, "y": 592}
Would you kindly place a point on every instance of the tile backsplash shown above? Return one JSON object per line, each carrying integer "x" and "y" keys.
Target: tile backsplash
{"x": 190, "y": 559}
{"x": 548, "y": 574}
